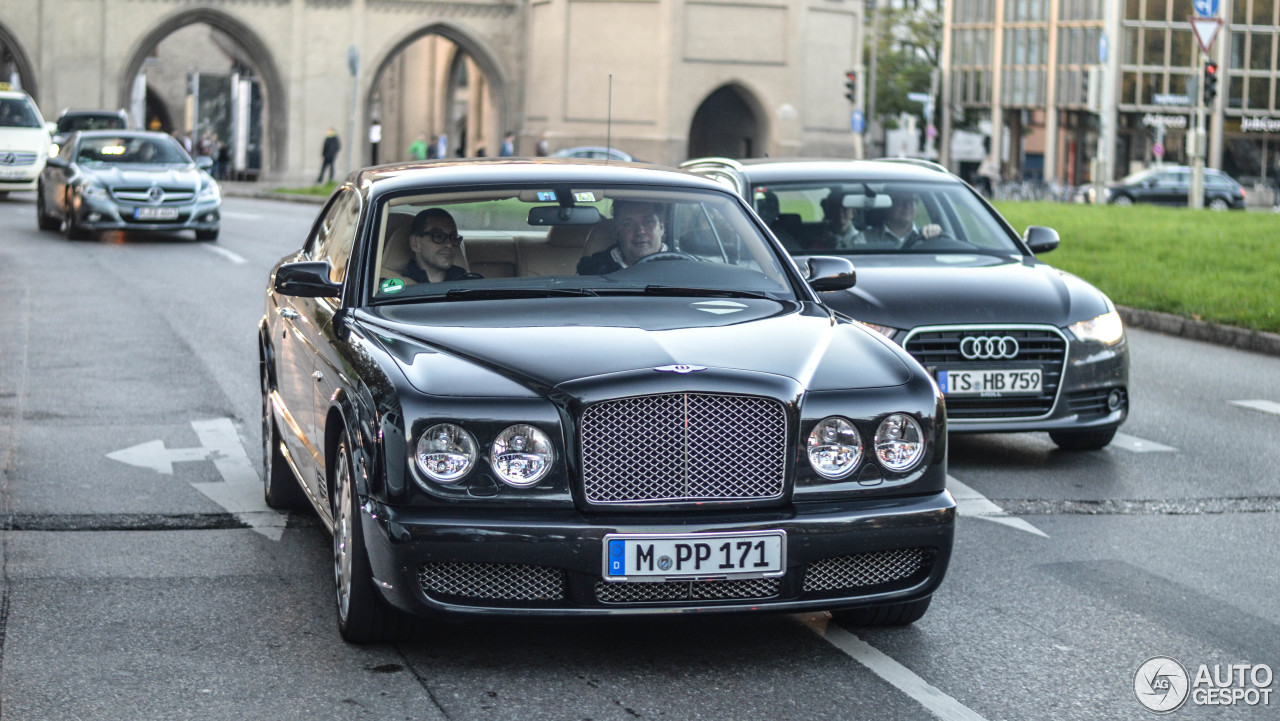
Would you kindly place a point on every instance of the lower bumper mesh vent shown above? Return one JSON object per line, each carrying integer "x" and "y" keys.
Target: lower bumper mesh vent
{"x": 607, "y": 592}
{"x": 863, "y": 569}
{"x": 492, "y": 581}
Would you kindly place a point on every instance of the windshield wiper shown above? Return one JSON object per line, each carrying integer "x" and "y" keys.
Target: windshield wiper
{"x": 713, "y": 292}
{"x": 491, "y": 293}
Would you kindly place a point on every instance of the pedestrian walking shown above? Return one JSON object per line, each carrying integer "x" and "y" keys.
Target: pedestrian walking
{"x": 542, "y": 149}
{"x": 508, "y": 145}
{"x": 329, "y": 151}
{"x": 418, "y": 149}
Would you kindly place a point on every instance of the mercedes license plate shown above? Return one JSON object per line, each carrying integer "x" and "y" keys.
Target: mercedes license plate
{"x": 667, "y": 557}
{"x": 155, "y": 213}
{"x": 977, "y": 382}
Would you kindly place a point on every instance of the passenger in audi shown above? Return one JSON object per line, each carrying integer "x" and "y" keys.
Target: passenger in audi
{"x": 640, "y": 230}
{"x": 435, "y": 245}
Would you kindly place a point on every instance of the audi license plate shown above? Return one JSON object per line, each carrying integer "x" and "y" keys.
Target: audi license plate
{"x": 959, "y": 383}
{"x": 155, "y": 213}
{"x": 665, "y": 557}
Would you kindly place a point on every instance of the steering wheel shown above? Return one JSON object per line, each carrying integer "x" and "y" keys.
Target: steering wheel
{"x": 666, "y": 255}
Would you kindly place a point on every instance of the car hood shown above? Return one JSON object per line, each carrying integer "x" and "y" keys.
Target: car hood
{"x": 543, "y": 343}
{"x": 905, "y": 291}
{"x": 169, "y": 176}
{"x": 24, "y": 140}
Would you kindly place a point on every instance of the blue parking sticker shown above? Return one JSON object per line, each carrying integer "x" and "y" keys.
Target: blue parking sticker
{"x": 617, "y": 552}
{"x": 942, "y": 382}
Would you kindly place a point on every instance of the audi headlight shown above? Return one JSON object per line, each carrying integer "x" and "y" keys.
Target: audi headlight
{"x": 835, "y": 449}
{"x": 446, "y": 453}
{"x": 1107, "y": 329}
{"x": 883, "y": 330}
{"x": 92, "y": 190}
{"x": 899, "y": 442}
{"x": 521, "y": 455}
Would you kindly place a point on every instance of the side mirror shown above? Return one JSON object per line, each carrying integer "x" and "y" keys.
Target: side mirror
{"x": 56, "y": 161}
{"x": 1040, "y": 239}
{"x": 204, "y": 162}
{"x": 828, "y": 272}
{"x": 308, "y": 279}
{"x": 52, "y": 128}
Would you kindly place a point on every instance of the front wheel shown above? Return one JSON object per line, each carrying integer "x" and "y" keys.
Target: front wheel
{"x": 890, "y": 614}
{"x": 43, "y": 219}
{"x": 1122, "y": 200}
{"x": 207, "y": 236}
{"x": 72, "y": 228}
{"x": 1218, "y": 204}
{"x": 1090, "y": 440}
{"x": 363, "y": 617}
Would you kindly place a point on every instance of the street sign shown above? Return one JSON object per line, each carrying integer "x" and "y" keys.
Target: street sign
{"x": 858, "y": 121}
{"x": 919, "y": 97}
{"x": 1206, "y": 30}
{"x": 1206, "y": 8}
{"x": 1158, "y": 150}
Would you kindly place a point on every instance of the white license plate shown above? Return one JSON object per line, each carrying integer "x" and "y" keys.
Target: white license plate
{"x": 10, "y": 174}
{"x": 155, "y": 213}
{"x": 977, "y": 382}
{"x": 661, "y": 557}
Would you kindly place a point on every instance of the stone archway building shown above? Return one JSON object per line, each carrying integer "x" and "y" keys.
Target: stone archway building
{"x": 577, "y": 71}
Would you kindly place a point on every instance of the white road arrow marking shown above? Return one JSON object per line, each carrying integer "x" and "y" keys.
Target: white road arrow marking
{"x": 1265, "y": 406}
{"x": 975, "y": 505}
{"x": 240, "y": 491}
{"x": 1140, "y": 445}
{"x": 233, "y": 257}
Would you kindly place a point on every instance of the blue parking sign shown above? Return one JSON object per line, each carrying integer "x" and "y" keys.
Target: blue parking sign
{"x": 858, "y": 122}
{"x": 1206, "y": 8}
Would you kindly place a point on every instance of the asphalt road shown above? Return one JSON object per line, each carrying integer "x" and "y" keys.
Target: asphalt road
{"x": 140, "y": 580}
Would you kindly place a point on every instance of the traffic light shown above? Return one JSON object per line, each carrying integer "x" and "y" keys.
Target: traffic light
{"x": 851, "y": 86}
{"x": 1210, "y": 82}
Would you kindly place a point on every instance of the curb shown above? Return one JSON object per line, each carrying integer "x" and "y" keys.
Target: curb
{"x": 1167, "y": 323}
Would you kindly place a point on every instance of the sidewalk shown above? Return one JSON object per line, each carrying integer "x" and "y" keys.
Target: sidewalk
{"x": 265, "y": 191}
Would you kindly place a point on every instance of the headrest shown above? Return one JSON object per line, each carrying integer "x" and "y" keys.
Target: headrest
{"x": 568, "y": 236}
{"x": 396, "y": 254}
{"x": 603, "y": 235}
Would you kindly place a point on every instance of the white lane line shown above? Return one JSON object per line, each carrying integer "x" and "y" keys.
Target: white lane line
{"x": 1140, "y": 445}
{"x": 901, "y": 677}
{"x": 975, "y": 505}
{"x": 233, "y": 257}
{"x": 241, "y": 216}
{"x": 1264, "y": 406}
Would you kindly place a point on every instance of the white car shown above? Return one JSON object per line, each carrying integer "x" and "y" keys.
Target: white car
{"x": 24, "y": 142}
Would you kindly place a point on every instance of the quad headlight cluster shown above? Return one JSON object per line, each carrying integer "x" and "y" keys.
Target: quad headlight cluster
{"x": 836, "y": 450}
{"x": 520, "y": 456}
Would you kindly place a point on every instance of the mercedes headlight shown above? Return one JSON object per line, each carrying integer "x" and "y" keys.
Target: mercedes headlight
{"x": 446, "y": 453}
{"x": 521, "y": 455}
{"x": 1107, "y": 329}
{"x": 92, "y": 190}
{"x": 209, "y": 189}
{"x": 835, "y": 449}
{"x": 899, "y": 442}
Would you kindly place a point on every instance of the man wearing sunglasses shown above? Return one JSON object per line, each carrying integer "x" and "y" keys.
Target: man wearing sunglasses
{"x": 435, "y": 243}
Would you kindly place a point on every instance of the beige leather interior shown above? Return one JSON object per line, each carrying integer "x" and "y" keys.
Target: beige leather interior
{"x": 558, "y": 254}
{"x": 603, "y": 235}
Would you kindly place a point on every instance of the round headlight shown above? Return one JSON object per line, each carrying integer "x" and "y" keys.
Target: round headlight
{"x": 834, "y": 448}
{"x": 899, "y": 442}
{"x": 446, "y": 453}
{"x": 521, "y": 455}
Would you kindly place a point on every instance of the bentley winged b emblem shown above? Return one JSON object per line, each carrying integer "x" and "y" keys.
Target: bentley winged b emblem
{"x": 681, "y": 368}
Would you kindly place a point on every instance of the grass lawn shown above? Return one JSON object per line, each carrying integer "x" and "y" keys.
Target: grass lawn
{"x": 1221, "y": 267}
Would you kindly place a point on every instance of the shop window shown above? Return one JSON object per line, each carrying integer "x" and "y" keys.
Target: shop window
{"x": 1133, "y": 9}
{"x": 1235, "y": 92}
{"x": 1156, "y": 9}
{"x": 1129, "y": 89}
{"x": 1183, "y": 9}
{"x": 1259, "y": 93}
{"x": 1237, "y": 50}
{"x": 1091, "y": 45}
{"x": 1183, "y": 48}
{"x": 1184, "y": 85}
{"x": 1239, "y": 10}
{"x": 1150, "y": 86}
{"x": 1153, "y": 46}
{"x": 1131, "y": 44}
{"x": 1263, "y": 11}
{"x": 1259, "y": 51}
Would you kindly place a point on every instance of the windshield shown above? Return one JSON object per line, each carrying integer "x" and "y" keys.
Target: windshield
{"x": 18, "y": 113}
{"x": 539, "y": 241}
{"x": 114, "y": 150}
{"x": 72, "y": 123}
{"x": 880, "y": 217}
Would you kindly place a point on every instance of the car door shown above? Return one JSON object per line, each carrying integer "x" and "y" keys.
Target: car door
{"x": 335, "y": 247}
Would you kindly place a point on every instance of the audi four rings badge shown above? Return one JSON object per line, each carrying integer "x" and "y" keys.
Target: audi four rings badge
{"x": 680, "y": 369}
{"x": 989, "y": 347}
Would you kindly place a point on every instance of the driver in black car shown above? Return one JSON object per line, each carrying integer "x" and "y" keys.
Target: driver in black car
{"x": 639, "y": 227}
{"x": 899, "y": 229}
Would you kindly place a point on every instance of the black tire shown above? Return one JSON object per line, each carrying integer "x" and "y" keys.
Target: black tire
{"x": 363, "y": 616}
{"x": 1219, "y": 204}
{"x": 207, "y": 236}
{"x": 279, "y": 486}
{"x": 71, "y": 227}
{"x": 1090, "y": 440}
{"x": 891, "y": 614}
{"x": 43, "y": 219}
{"x": 1122, "y": 200}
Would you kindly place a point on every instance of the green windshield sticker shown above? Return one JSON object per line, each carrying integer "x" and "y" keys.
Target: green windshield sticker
{"x": 392, "y": 285}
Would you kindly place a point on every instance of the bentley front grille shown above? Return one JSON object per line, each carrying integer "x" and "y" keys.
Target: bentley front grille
{"x": 684, "y": 447}
{"x": 492, "y": 581}
{"x": 659, "y": 592}
{"x": 862, "y": 570}
{"x": 1038, "y": 347}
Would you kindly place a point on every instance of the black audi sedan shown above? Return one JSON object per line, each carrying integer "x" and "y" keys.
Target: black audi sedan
{"x": 133, "y": 180}
{"x": 1013, "y": 343}
{"x": 1171, "y": 185}
{"x": 562, "y": 388}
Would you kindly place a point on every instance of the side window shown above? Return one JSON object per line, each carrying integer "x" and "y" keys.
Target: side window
{"x": 336, "y": 235}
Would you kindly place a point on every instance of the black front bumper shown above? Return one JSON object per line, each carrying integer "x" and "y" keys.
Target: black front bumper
{"x": 526, "y": 564}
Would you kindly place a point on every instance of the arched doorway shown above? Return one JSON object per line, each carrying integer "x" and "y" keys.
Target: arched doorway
{"x": 15, "y": 66}
{"x": 221, "y": 79}
{"x": 439, "y": 81}
{"x": 728, "y": 125}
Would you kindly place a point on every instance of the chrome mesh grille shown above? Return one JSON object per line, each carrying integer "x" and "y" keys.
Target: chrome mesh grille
{"x": 863, "y": 569}
{"x": 492, "y": 581}
{"x": 19, "y": 157}
{"x": 629, "y": 592}
{"x": 684, "y": 447}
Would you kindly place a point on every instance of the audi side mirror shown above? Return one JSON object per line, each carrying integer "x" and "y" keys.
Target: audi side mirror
{"x": 828, "y": 272}
{"x": 1040, "y": 239}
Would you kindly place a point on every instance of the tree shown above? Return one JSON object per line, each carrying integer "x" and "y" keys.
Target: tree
{"x": 909, "y": 48}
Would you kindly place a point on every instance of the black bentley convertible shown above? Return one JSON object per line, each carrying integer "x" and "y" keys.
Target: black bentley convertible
{"x": 680, "y": 427}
